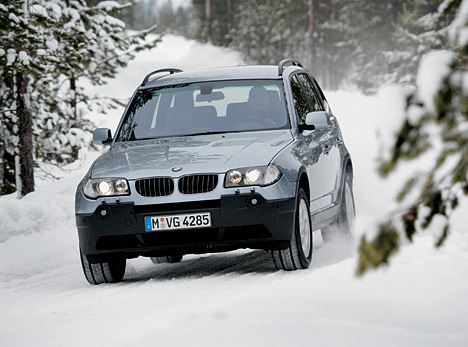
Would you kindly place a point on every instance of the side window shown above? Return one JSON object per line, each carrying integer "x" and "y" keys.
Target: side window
{"x": 300, "y": 101}
{"x": 312, "y": 94}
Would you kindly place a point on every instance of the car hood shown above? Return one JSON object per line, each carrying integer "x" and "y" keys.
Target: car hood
{"x": 214, "y": 153}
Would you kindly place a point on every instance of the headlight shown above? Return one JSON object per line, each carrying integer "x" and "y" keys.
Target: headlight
{"x": 252, "y": 176}
{"x": 101, "y": 187}
{"x": 235, "y": 176}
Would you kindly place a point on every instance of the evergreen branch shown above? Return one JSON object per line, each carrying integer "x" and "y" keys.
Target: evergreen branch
{"x": 9, "y": 110}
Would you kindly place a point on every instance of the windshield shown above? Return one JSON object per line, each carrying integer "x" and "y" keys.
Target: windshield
{"x": 209, "y": 107}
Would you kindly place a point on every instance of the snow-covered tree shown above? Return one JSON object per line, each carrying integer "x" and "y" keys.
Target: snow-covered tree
{"x": 47, "y": 49}
{"x": 211, "y": 21}
{"x": 267, "y": 31}
{"x": 359, "y": 32}
{"x": 258, "y": 32}
{"x": 420, "y": 28}
{"x": 435, "y": 132}
{"x": 19, "y": 35}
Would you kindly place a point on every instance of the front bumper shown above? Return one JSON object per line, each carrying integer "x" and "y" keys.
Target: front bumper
{"x": 236, "y": 223}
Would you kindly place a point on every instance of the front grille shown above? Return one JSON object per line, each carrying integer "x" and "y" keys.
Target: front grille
{"x": 156, "y": 186}
{"x": 196, "y": 184}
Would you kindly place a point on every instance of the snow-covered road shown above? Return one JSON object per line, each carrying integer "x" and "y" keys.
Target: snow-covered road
{"x": 236, "y": 298}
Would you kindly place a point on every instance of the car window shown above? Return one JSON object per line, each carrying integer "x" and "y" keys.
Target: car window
{"x": 230, "y": 106}
{"x": 325, "y": 104}
{"x": 300, "y": 102}
{"x": 311, "y": 93}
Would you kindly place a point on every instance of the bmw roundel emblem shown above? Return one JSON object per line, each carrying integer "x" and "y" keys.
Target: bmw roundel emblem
{"x": 176, "y": 169}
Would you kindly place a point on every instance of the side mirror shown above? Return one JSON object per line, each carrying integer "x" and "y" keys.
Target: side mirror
{"x": 317, "y": 120}
{"x": 102, "y": 137}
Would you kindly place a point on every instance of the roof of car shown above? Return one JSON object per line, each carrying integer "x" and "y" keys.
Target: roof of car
{"x": 242, "y": 72}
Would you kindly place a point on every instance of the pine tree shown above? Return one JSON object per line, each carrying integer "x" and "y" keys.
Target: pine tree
{"x": 354, "y": 34}
{"x": 19, "y": 35}
{"x": 360, "y": 43}
{"x": 420, "y": 28}
{"x": 215, "y": 28}
{"x": 266, "y": 31}
{"x": 435, "y": 124}
{"x": 47, "y": 49}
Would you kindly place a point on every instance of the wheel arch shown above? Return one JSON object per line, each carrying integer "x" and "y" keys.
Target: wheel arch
{"x": 348, "y": 168}
{"x": 303, "y": 182}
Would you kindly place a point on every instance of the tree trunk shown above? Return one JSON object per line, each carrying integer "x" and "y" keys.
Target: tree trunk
{"x": 25, "y": 163}
{"x": 1, "y": 168}
{"x": 75, "y": 120}
{"x": 281, "y": 30}
{"x": 311, "y": 35}
{"x": 73, "y": 100}
{"x": 230, "y": 21}
{"x": 209, "y": 20}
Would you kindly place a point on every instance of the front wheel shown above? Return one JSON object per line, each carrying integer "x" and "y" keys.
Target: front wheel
{"x": 299, "y": 253}
{"x": 108, "y": 272}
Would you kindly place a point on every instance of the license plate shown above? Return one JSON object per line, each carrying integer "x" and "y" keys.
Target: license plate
{"x": 178, "y": 221}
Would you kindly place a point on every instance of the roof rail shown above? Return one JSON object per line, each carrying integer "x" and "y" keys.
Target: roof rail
{"x": 284, "y": 62}
{"x": 170, "y": 70}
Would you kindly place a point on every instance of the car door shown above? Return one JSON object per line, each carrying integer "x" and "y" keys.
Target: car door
{"x": 313, "y": 147}
{"x": 335, "y": 141}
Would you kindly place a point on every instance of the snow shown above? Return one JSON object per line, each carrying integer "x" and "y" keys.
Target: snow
{"x": 11, "y": 56}
{"x": 13, "y": 18}
{"x": 23, "y": 57}
{"x": 108, "y": 5}
{"x": 234, "y": 298}
{"x": 439, "y": 223}
{"x": 391, "y": 103}
{"x": 114, "y": 21}
{"x": 457, "y": 29}
{"x": 433, "y": 68}
{"x": 52, "y": 44}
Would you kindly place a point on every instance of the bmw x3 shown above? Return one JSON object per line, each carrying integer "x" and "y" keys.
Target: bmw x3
{"x": 212, "y": 161}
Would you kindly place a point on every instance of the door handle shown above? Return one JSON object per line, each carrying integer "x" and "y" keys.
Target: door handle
{"x": 339, "y": 141}
{"x": 326, "y": 148}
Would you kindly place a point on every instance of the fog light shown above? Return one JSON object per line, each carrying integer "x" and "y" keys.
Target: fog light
{"x": 103, "y": 212}
{"x": 253, "y": 201}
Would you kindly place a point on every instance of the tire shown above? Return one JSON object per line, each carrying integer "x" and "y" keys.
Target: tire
{"x": 299, "y": 253}
{"x": 167, "y": 259}
{"x": 344, "y": 225}
{"x": 109, "y": 272}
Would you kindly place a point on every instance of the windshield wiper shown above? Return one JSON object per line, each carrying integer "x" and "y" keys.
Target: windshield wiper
{"x": 206, "y": 133}
{"x": 183, "y": 135}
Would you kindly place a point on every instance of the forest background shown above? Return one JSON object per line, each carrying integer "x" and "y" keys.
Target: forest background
{"x": 346, "y": 43}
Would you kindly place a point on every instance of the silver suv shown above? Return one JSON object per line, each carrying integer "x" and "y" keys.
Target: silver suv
{"x": 212, "y": 161}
